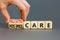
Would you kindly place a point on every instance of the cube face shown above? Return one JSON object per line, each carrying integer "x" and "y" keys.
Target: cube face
{"x": 19, "y": 25}
{"x": 34, "y": 25}
{"x": 11, "y": 26}
{"x": 41, "y": 24}
{"x": 48, "y": 24}
{"x": 26, "y": 25}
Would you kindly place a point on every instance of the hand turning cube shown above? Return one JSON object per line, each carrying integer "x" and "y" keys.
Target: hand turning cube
{"x": 19, "y": 24}
{"x": 15, "y": 24}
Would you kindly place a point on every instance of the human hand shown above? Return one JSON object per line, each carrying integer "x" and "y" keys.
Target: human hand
{"x": 22, "y": 5}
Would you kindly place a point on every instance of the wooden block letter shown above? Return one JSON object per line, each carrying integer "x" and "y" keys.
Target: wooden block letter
{"x": 41, "y": 24}
{"x": 33, "y": 24}
{"x": 27, "y": 25}
{"x": 49, "y": 24}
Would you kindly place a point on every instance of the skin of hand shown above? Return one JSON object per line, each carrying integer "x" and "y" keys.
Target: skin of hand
{"x": 22, "y": 5}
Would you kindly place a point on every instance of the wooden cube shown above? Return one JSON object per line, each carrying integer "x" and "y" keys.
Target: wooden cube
{"x": 33, "y": 24}
{"x": 41, "y": 25}
{"x": 27, "y": 25}
{"x": 19, "y": 25}
{"x": 48, "y": 24}
{"x": 11, "y": 25}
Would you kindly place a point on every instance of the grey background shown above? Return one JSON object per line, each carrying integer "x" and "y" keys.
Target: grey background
{"x": 40, "y": 10}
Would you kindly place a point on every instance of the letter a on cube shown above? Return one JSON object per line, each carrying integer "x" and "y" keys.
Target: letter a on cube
{"x": 34, "y": 25}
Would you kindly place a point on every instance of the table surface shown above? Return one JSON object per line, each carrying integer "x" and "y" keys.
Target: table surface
{"x": 6, "y": 34}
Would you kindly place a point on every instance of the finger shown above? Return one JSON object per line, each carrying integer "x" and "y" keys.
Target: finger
{"x": 5, "y": 13}
{"x": 19, "y": 21}
{"x": 26, "y": 5}
{"x": 22, "y": 9}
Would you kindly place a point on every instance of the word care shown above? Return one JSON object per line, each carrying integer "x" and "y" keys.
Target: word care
{"x": 31, "y": 25}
